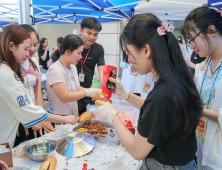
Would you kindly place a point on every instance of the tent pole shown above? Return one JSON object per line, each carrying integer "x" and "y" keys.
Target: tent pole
{"x": 119, "y": 9}
{"x": 26, "y": 11}
{"x": 59, "y": 16}
{"x": 215, "y": 4}
{"x": 53, "y": 9}
{"x": 105, "y": 11}
{"x": 132, "y": 3}
{"x": 20, "y": 18}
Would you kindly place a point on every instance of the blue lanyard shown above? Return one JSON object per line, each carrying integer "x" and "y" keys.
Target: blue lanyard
{"x": 68, "y": 76}
{"x": 213, "y": 83}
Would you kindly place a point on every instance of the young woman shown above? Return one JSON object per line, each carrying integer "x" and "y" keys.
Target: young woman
{"x": 180, "y": 42}
{"x": 202, "y": 29}
{"x": 165, "y": 137}
{"x": 15, "y": 102}
{"x": 62, "y": 82}
{"x": 31, "y": 78}
{"x": 44, "y": 52}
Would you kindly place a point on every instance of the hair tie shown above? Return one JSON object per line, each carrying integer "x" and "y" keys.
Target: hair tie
{"x": 218, "y": 11}
{"x": 161, "y": 30}
{"x": 58, "y": 49}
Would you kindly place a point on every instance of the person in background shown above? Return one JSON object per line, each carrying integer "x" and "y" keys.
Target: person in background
{"x": 165, "y": 137}
{"x": 44, "y": 52}
{"x": 15, "y": 102}
{"x": 4, "y": 165}
{"x": 92, "y": 55}
{"x": 53, "y": 57}
{"x": 62, "y": 82}
{"x": 180, "y": 42}
{"x": 202, "y": 29}
{"x": 31, "y": 78}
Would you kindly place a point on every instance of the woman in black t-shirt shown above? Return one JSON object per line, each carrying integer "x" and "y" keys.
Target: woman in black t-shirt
{"x": 44, "y": 52}
{"x": 165, "y": 137}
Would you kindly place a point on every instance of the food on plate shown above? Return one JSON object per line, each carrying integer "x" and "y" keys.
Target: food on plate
{"x": 85, "y": 116}
{"x": 95, "y": 129}
{"x": 49, "y": 164}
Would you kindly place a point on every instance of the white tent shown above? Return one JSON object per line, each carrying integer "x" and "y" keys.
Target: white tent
{"x": 169, "y": 9}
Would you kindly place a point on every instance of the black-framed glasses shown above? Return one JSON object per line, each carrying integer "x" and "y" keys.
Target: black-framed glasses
{"x": 189, "y": 42}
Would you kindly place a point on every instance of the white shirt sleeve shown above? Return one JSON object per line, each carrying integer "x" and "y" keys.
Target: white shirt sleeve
{"x": 17, "y": 99}
{"x": 23, "y": 108}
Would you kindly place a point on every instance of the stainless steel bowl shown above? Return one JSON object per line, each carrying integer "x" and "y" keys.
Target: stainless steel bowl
{"x": 40, "y": 150}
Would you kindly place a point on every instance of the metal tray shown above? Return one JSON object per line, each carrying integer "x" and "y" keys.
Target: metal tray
{"x": 108, "y": 138}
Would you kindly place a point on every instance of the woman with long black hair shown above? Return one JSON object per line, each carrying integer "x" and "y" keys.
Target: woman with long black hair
{"x": 165, "y": 137}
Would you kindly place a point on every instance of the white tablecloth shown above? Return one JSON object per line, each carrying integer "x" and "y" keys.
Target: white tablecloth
{"x": 105, "y": 156}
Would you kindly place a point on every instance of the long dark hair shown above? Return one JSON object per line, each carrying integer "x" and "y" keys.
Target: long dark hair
{"x": 42, "y": 41}
{"x": 70, "y": 42}
{"x": 169, "y": 64}
{"x": 199, "y": 19}
{"x": 30, "y": 30}
{"x": 16, "y": 34}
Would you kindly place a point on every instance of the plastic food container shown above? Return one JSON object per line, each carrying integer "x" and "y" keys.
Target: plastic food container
{"x": 126, "y": 113}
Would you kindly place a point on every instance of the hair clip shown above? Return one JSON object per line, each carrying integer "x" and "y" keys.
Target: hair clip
{"x": 58, "y": 49}
{"x": 218, "y": 11}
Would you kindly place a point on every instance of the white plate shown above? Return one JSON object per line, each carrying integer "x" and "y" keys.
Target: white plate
{"x": 19, "y": 168}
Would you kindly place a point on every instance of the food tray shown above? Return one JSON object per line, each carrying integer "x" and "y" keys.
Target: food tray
{"x": 108, "y": 138}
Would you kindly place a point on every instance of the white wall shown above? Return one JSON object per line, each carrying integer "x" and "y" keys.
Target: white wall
{"x": 108, "y": 37}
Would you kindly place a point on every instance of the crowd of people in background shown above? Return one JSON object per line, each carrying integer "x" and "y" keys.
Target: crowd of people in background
{"x": 180, "y": 119}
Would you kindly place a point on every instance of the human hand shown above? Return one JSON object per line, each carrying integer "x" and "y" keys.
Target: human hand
{"x": 47, "y": 48}
{"x": 48, "y": 127}
{"x": 106, "y": 112}
{"x": 70, "y": 119}
{"x": 120, "y": 90}
{"x": 92, "y": 92}
{"x": 38, "y": 127}
{"x": 4, "y": 165}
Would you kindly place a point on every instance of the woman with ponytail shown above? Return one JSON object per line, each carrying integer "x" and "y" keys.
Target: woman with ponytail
{"x": 165, "y": 137}
{"x": 62, "y": 83}
{"x": 202, "y": 30}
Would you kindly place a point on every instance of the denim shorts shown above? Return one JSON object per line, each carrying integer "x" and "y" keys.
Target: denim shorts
{"x": 152, "y": 164}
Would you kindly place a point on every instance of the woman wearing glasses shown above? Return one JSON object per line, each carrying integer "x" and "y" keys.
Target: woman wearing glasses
{"x": 202, "y": 29}
{"x": 165, "y": 137}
